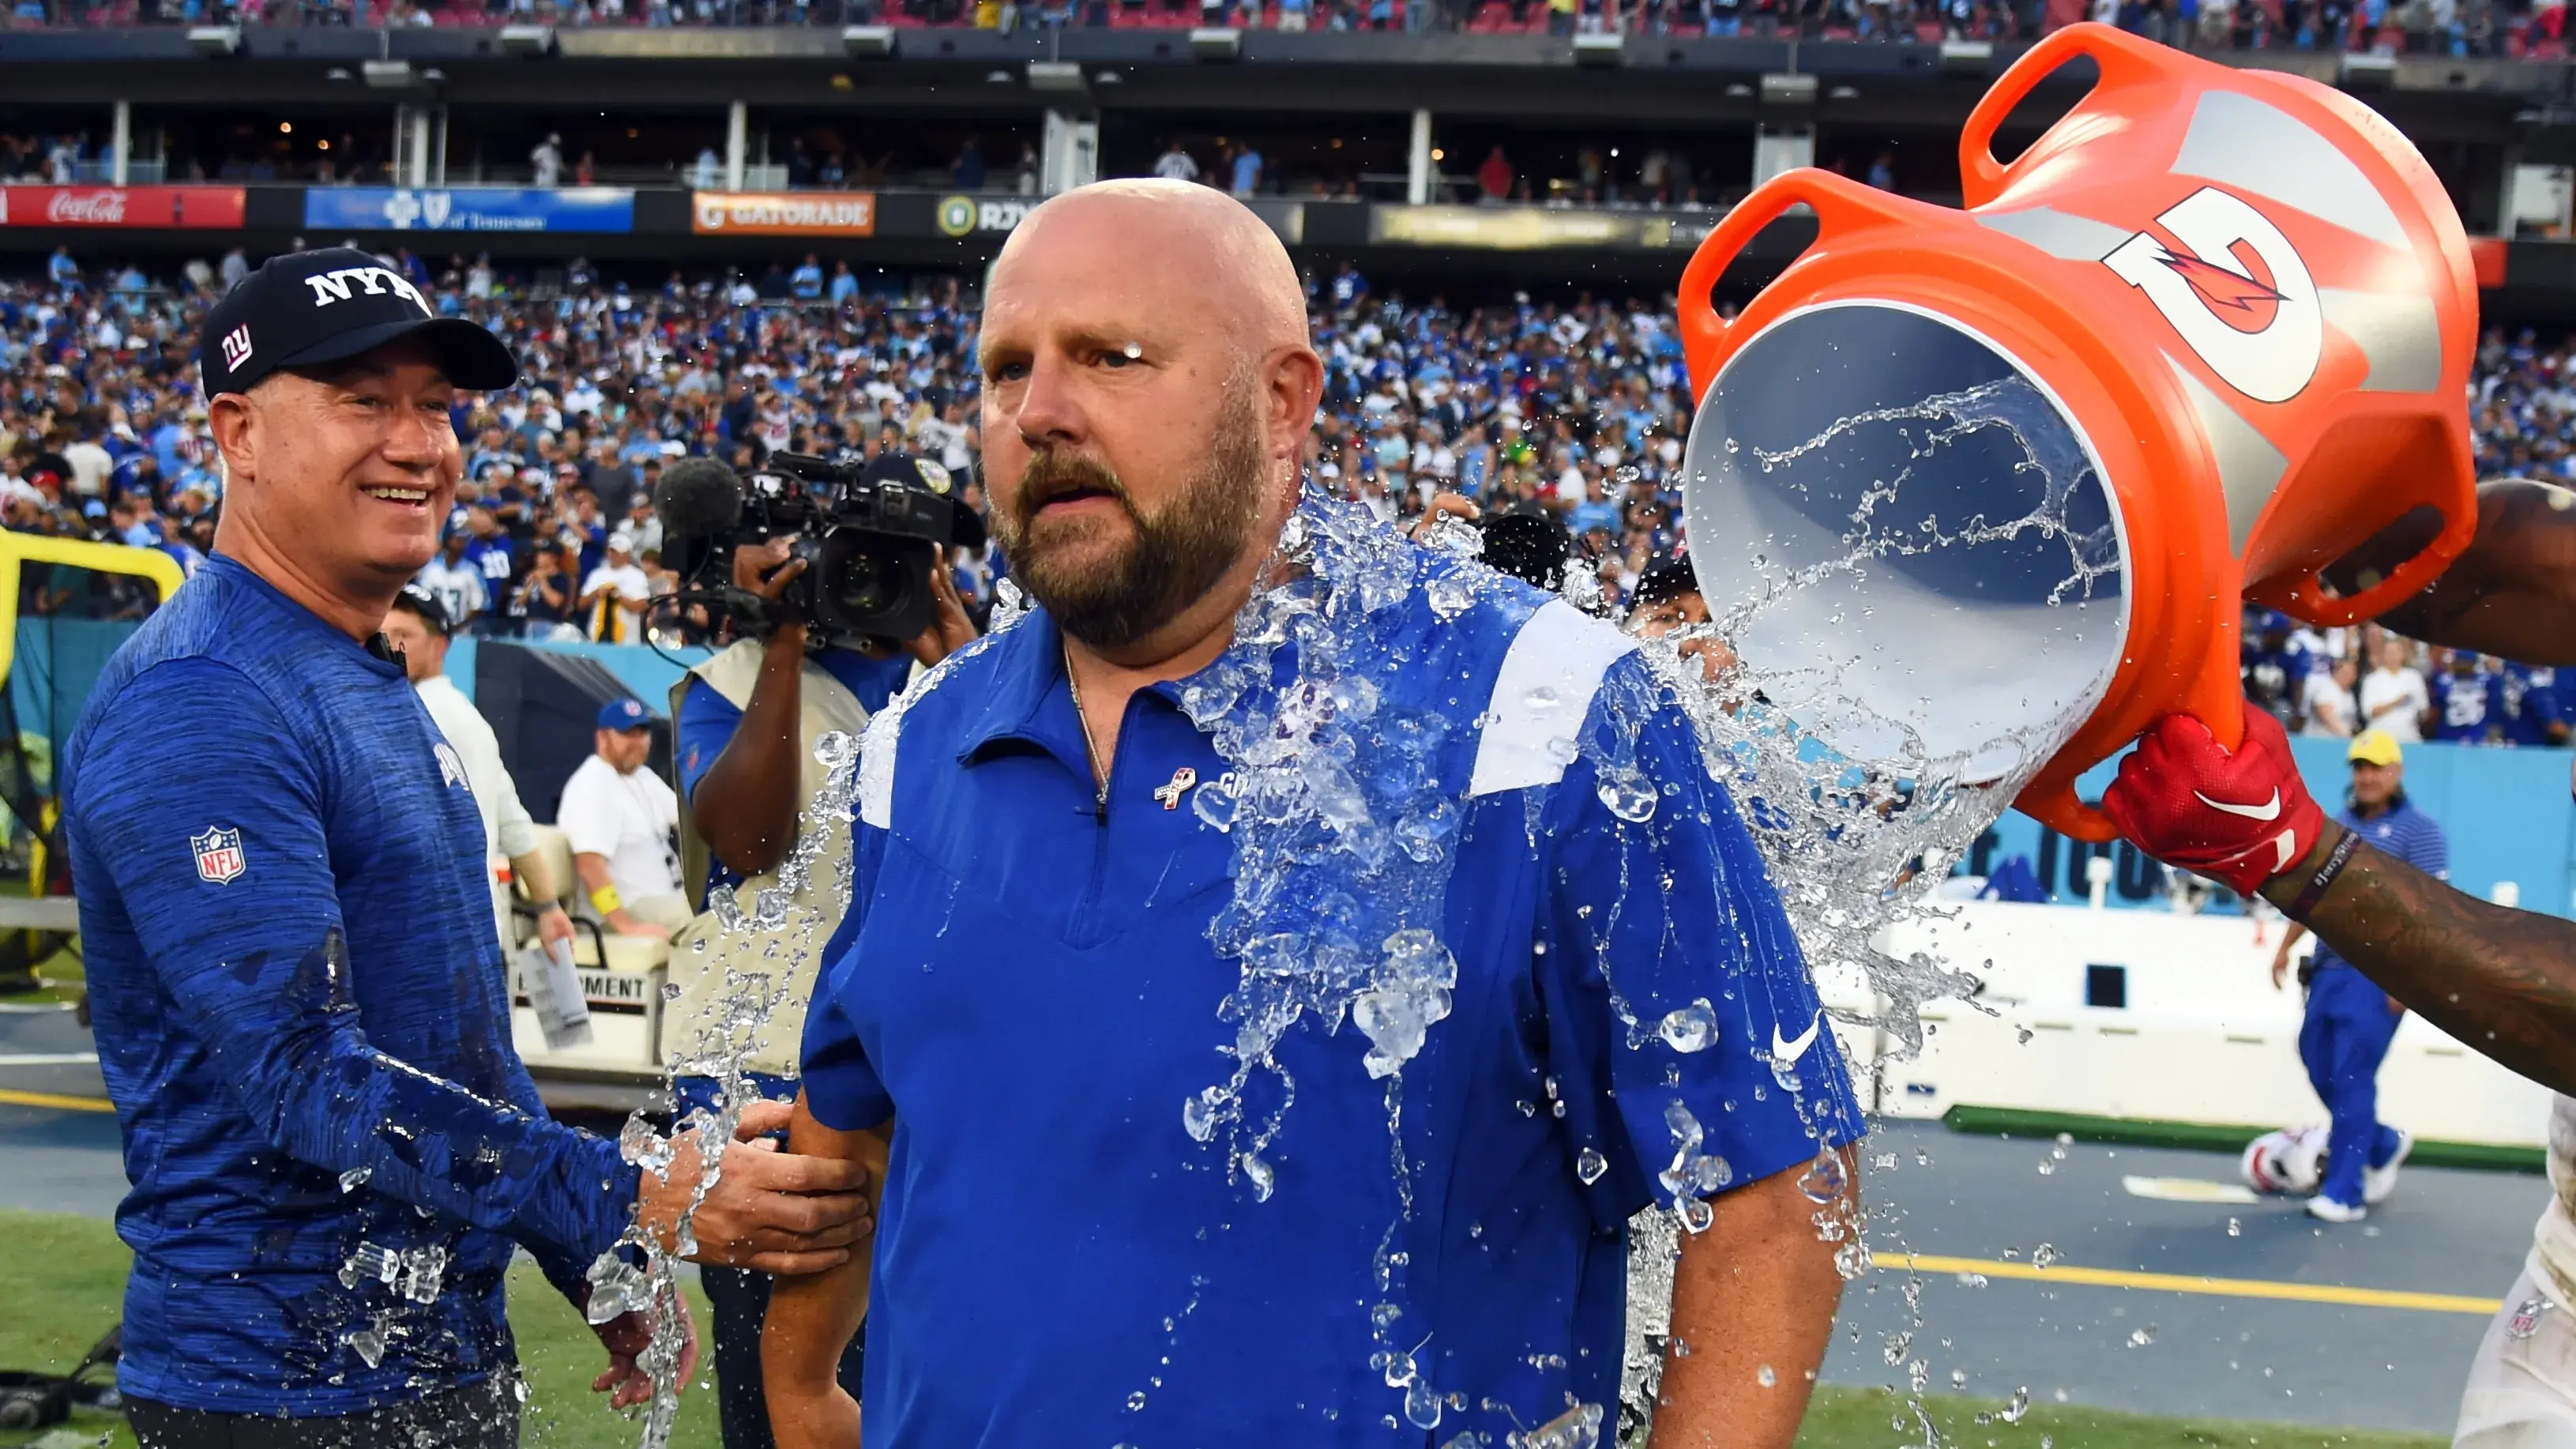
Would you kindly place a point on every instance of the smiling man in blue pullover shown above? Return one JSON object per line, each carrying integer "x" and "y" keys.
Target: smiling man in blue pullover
{"x": 299, "y": 1001}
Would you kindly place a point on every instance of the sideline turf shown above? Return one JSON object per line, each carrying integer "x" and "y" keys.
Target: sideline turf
{"x": 1854, "y": 1418}
{"x": 62, "y": 1277}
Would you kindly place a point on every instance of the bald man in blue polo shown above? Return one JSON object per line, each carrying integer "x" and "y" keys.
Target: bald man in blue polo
{"x": 1272, "y": 986}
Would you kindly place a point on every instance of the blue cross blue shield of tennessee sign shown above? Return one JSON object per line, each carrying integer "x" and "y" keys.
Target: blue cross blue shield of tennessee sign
{"x": 219, "y": 854}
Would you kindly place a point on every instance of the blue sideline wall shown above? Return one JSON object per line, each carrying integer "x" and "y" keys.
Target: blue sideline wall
{"x": 2508, "y": 814}
{"x": 647, "y": 674}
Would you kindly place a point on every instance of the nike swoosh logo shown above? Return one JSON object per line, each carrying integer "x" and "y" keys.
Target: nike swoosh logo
{"x": 1784, "y": 1052}
{"x": 2268, "y": 810}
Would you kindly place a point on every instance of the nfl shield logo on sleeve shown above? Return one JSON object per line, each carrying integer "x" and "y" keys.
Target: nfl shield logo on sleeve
{"x": 219, "y": 854}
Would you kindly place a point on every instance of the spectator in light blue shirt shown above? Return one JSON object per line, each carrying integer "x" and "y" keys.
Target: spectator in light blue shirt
{"x": 1247, "y": 170}
{"x": 1596, "y": 510}
{"x": 132, "y": 521}
{"x": 807, "y": 281}
{"x": 1475, "y": 462}
{"x": 845, "y": 288}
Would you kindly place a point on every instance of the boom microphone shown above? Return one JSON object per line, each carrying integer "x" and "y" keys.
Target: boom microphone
{"x": 698, "y": 499}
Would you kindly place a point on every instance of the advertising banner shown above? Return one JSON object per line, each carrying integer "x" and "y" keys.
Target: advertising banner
{"x": 192, "y": 207}
{"x": 962, "y": 217}
{"x": 471, "y": 208}
{"x": 1532, "y": 228}
{"x": 783, "y": 213}
{"x": 993, "y": 215}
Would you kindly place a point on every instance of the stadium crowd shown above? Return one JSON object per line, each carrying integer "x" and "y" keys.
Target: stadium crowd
{"x": 1574, "y": 409}
{"x": 2454, "y": 27}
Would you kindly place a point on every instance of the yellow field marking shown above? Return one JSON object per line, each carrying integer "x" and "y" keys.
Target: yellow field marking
{"x": 2183, "y": 1283}
{"x": 9, "y": 1097}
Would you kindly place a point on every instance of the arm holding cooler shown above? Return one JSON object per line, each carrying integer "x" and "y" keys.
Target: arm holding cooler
{"x": 2500, "y": 980}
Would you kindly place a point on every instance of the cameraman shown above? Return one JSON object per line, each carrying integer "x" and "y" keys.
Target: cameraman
{"x": 745, "y": 727}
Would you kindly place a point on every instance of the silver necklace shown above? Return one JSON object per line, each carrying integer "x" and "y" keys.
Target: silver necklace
{"x": 1091, "y": 749}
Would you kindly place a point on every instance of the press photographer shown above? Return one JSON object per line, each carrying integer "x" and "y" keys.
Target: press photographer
{"x": 834, "y": 582}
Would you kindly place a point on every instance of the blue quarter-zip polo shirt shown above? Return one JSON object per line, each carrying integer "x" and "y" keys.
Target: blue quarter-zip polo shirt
{"x": 1026, "y": 985}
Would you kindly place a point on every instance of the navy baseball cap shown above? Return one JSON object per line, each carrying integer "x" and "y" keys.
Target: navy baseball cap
{"x": 424, "y": 605}
{"x": 625, "y": 714}
{"x": 1672, "y": 579}
{"x": 305, "y": 309}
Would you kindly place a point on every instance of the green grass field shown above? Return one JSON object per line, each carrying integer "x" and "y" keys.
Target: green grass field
{"x": 64, "y": 1277}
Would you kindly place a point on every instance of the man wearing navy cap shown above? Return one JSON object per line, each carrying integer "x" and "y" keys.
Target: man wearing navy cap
{"x": 1668, "y": 603}
{"x": 620, "y": 820}
{"x": 298, "y": 994}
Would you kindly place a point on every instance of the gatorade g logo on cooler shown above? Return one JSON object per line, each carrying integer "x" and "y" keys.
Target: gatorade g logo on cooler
{"x": 2235, "y": 290}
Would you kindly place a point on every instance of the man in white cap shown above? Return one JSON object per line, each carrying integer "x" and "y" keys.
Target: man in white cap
{"x": 616, "y": 594}
{"x": 418, "y": 627}
{"x": 621, "y": 819}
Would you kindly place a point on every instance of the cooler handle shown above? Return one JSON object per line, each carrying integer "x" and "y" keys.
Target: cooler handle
{"x": 1840, "y": 204}
{"x": 2309, "y": 601}
{"x": 2123, "y": 59}
{"x": 2216, "y": 699}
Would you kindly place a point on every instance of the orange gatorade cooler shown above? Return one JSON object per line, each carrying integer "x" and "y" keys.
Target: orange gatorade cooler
{"x": 1989, "y": 486}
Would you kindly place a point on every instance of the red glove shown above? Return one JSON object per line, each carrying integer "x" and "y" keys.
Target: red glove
{"x": 2242, "y": 817}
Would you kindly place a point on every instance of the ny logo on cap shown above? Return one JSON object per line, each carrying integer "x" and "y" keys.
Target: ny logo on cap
{"x": 237, "y": 347}
{"x": 339, "y": 286}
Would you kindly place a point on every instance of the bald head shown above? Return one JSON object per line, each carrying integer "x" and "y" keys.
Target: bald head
{"x": 1190, "y": 246}
{"x": 1148, "y": 391}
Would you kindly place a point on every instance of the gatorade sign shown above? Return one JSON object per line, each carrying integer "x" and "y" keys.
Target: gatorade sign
{"x": 2235, "y": 290}
{"x": 768, "y": 213}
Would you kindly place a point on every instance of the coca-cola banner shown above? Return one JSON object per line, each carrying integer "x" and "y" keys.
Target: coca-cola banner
{"x": 190, "y": 207}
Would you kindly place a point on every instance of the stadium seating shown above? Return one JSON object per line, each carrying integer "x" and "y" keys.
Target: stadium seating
{"x": 1931, "y": 24}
